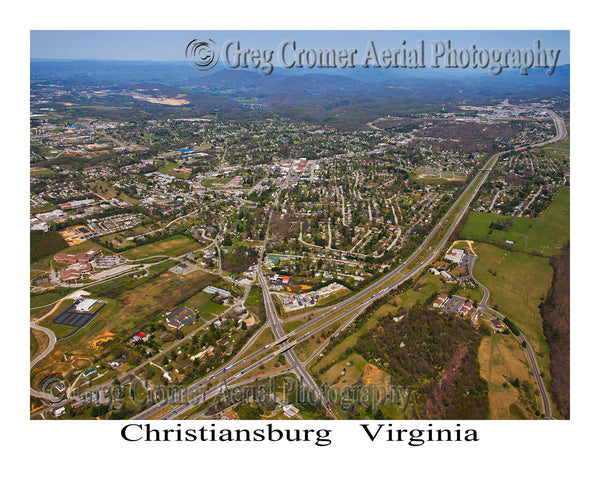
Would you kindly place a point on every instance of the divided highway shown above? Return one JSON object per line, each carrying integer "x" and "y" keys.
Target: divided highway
{"x": 358, "y": 302}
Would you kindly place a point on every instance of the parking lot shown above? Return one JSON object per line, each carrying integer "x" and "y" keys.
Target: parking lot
{"x": 454, "y": 304}
{"x": 72, "y": 318}
{"x": 467, "y": 262}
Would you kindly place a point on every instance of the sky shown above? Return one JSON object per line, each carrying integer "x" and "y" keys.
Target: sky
{"x": 167, "y": 45}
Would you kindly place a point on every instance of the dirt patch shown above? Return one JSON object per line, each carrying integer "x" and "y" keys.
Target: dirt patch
{"x": 100, "y": 339}
{"x": 372, "y": 375}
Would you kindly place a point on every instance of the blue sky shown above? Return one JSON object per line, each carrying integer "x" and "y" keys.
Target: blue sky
{"x": 164, "y": 45}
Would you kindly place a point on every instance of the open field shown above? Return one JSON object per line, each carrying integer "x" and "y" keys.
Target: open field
{"x": 544, "y": 235}
{"x": 560, "y": 151}
{"x": 502, "y": 361}
{"x": 517, "y": 283}
{"x": 205, "y": 308}
{"x": 216, "y": 182}
{"x": 173, "y": 246}
{"x": 39, "y": 171}
{"x": 169, "y": 169}
{"x": 127, "y": 313}
{"x": 38, "y": 341}
{"x": 342, "y": 375}
{"x": 158, "y": 295}
{"x": 45, "y": 298}
{"x": 162, "y": 266}
{"x": 437, "y": 178}
{"x": 108, "y": 191}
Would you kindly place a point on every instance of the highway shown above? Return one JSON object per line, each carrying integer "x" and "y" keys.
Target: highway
{"x": 357, "y": 302}
{"x": 368, "y": 295}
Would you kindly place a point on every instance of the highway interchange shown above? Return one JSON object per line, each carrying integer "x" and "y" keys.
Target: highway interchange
{"x": 347, "y": 309}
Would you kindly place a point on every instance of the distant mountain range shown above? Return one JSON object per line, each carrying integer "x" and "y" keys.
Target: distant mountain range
{"x": 343, "y": 97}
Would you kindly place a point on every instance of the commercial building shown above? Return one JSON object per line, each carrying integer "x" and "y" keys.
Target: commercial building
{"x": 456, "y": 255}
{"x": 212, "y": 290}
{"x": 77, "y": 257}
{"x": 180, "y": 317}
{"x": 86, "y": 305}
{"x": 79, "y": 264}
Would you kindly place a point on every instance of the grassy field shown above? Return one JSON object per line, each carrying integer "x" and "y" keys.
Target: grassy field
{"x": 158, "y": 295}
{"x": 438, "y": 178}
{"x": 557, "y": 151}
{"x": 46, "y": 298}
{"x": 215, "y": 182}
{"x": 162, "y": 266}
{"x": 517, "y": 283}
{"x": 127, "y": 312}
{"x": 205, "y": 308}
{"x": 169, "y": 169}
{"x": 173, "y": 246}
{"x": 108, "y": 191}
{"x": 343, "y": 375}
{"x": 544, "y": 235}
{"x": 502, "y": 361}
{"x": 33, "y": 344}
{"x": 40, "y": 171}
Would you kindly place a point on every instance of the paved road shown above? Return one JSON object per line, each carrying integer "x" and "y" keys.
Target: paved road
{"x": 529, "y": 352}
{"x": 538, "y": 377}
{"x": 275, "y": 324}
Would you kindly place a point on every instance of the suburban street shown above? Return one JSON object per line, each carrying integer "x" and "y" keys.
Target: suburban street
{"x": 349, "y": 308}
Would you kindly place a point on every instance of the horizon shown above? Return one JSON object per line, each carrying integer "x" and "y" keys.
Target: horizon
{"x": 169, "y": 45}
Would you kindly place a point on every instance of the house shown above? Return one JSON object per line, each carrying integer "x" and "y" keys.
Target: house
{"x": 116, "y": 363}
{"x": 496, "y": 325}
{"x": 440, "y": 301}
{"x": 144, "y": 337}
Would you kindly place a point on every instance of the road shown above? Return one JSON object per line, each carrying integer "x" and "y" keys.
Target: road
{"x": 275, "y": 323}
{"x": 529, "y": 352}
